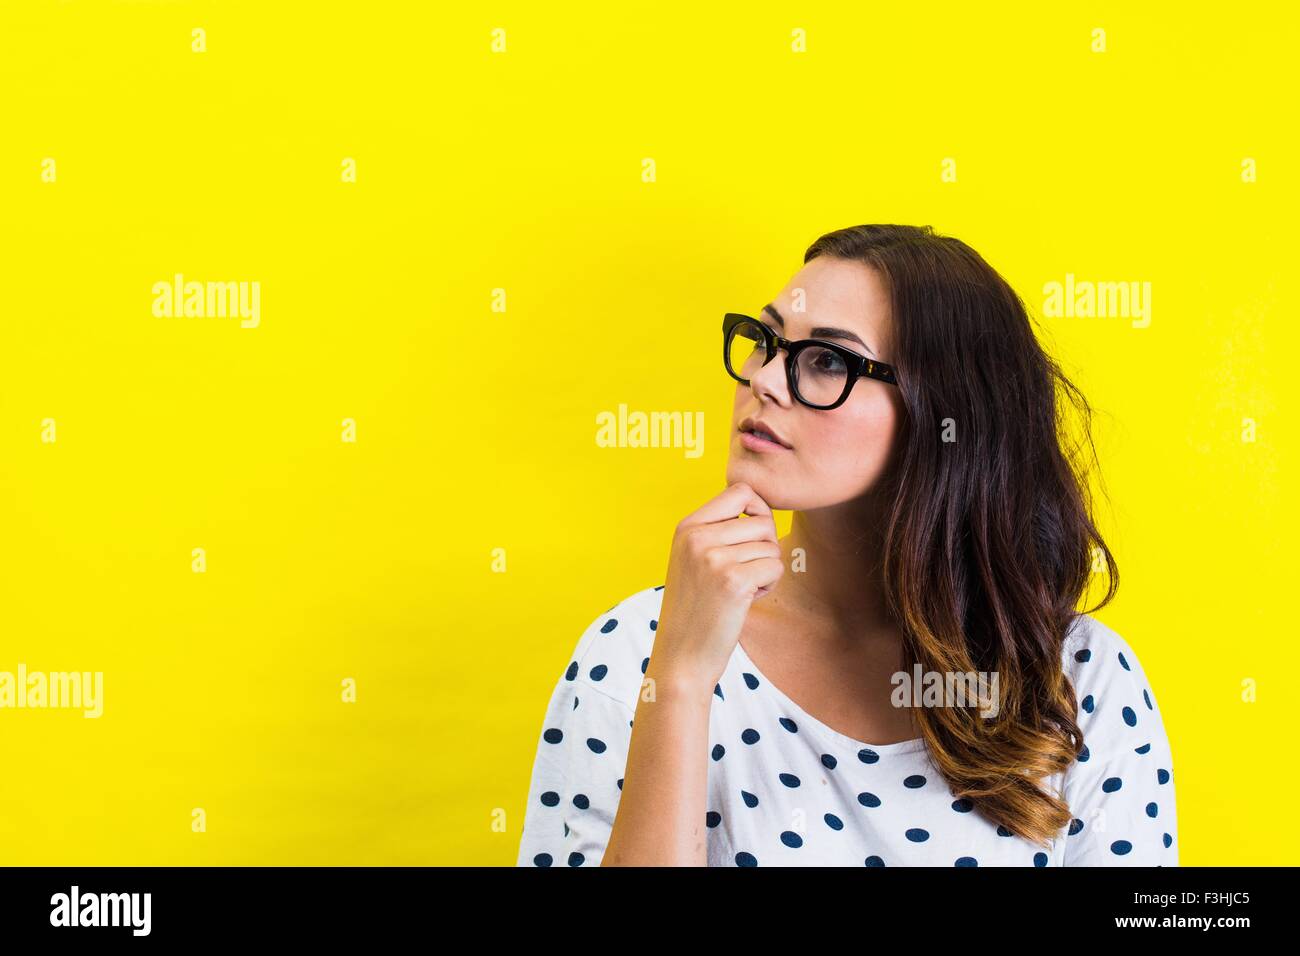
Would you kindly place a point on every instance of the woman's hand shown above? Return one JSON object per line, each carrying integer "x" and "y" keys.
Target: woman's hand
{"x": 719, "y": 564}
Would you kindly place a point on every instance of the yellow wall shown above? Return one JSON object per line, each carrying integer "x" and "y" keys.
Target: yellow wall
{"x": 522, "y": 170}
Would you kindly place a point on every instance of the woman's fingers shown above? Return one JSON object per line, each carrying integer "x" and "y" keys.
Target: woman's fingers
{"x": 729, "y": 503}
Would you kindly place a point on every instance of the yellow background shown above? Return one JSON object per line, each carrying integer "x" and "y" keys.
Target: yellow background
{"x": 476, "y": 428}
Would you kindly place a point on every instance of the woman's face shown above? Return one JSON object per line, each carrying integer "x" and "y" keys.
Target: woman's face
{"x": 835, "y": 455}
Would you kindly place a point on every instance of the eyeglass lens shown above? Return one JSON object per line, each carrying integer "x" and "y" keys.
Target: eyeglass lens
{"x": 820, "y": 373}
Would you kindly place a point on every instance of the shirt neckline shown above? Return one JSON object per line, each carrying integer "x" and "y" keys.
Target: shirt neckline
{"x": 898, "y": 747}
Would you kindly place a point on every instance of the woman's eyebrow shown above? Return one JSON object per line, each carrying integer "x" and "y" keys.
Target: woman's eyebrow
{"x": 821, "y": 332}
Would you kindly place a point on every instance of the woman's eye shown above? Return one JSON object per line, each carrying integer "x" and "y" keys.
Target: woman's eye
{"x": 828, "y": 362}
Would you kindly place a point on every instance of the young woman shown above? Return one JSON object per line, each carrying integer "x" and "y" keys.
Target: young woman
{"x": 791, "y": 702}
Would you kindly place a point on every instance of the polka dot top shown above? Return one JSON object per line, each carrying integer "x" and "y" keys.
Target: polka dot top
{"x": 786, "y": 790}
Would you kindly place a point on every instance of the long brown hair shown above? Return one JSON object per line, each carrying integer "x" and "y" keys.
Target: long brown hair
{"x": 988, "y": 541}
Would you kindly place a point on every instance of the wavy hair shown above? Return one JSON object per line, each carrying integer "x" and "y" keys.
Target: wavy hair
{"x": 988, "y": 539}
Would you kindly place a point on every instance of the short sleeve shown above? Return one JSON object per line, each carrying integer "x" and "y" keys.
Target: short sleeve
{"x": 577, "y": 776}
{"x": 1121, "y": 788}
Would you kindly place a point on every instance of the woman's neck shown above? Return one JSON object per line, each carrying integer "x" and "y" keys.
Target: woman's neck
{"x": 832, "y": 583}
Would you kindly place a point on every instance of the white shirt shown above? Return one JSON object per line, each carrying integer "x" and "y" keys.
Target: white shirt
{"x": 784, "y": 789}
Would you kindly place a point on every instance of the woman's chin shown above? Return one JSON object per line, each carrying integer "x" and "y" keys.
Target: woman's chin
{"x": 757, "y": 476}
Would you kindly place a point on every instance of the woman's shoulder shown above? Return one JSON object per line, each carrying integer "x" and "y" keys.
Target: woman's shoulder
{"x": 1120, "y": 788}
{"x": 613, "y": 651}
{"x": 1105, "y": 670}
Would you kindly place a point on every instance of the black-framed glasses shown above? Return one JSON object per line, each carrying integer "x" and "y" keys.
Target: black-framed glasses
{"x": 821, "y": 374}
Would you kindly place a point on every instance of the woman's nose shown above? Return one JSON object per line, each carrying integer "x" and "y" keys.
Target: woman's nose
{"x": 772, "y": 377}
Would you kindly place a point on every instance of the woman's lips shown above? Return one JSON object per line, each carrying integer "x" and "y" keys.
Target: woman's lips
{"x": 755, "y": 443}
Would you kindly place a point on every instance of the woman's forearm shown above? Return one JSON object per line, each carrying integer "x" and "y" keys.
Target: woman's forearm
{"x": 660, "y": 818}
